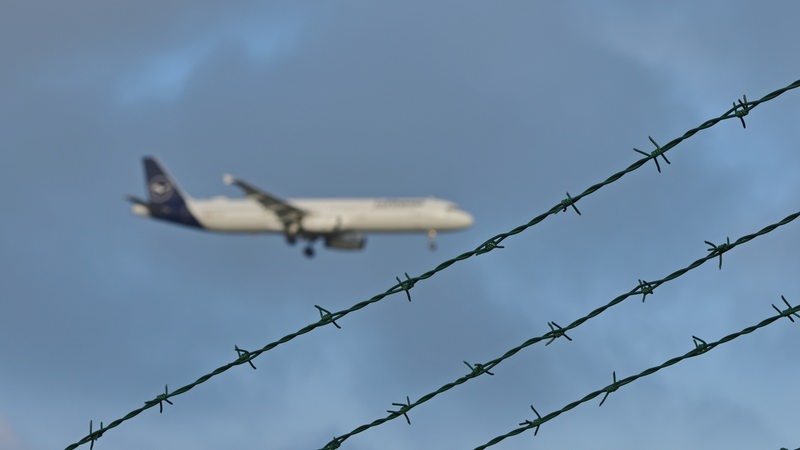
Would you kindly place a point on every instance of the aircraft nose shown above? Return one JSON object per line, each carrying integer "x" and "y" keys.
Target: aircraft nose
{"x": 465, "y": 219}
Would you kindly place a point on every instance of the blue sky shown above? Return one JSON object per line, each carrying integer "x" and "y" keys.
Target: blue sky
{"x": 501, "y": 108}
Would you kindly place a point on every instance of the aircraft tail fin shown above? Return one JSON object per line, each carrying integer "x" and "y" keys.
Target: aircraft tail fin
{"x": 166, "y": 200}
{"x": 161, "y": 188}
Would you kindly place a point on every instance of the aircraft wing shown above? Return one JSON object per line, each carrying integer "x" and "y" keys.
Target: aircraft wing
{"x": 286, "y": 211}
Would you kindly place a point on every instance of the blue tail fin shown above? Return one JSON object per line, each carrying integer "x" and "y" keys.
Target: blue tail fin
{"x": 166, "y": 201}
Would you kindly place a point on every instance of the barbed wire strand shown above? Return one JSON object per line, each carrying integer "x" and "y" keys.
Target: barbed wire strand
{"x": 701, "y": 347}
{"x": 644, "y": 288}
{"x": 326, "y": 317}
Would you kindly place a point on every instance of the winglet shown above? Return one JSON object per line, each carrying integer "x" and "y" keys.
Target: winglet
{"x": 228, "y": 179}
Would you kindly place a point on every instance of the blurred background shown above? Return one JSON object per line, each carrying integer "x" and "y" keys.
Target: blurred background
{"x": 500, "y": 107}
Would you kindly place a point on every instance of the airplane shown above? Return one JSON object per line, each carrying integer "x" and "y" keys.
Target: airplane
{"x": 340, "y": 223}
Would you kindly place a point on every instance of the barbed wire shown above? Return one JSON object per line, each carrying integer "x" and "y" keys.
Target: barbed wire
{"x": 739, "y": 111}
{"x": 644, "y": 289}
{"x": 700, "y": 348}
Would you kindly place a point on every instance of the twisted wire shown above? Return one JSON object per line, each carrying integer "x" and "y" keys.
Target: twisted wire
{"x": 738, "y": 111}
{"x": 644, "y": 288}
{"x": 701, "y": 347}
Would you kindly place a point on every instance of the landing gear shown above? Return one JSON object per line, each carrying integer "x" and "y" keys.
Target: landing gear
{"x": 432, "y": 239}
{"x": 293, "y": 234}
{"x": 309, "y": 250}
{"x": 291, "y": 231}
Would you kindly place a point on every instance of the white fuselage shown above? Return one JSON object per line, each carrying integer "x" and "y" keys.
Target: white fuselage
{"x": 329, "y": 215}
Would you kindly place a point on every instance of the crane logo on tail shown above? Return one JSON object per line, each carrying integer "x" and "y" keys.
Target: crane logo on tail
{"x": 160, "y": 188}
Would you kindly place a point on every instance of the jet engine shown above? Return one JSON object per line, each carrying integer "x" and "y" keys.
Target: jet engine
{"x": 346, "y": 241}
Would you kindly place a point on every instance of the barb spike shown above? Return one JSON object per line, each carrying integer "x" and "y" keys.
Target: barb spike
{"x": 406, "y": 285}
{"x": 94, "y": 435}
{"x": 611, "y": 388}
{"x": 535, "y": 422}
{"x": 700, "y": 345}
{"x": 741, "y": 110}
{"x": 659, "y": 151}
{"x": 404, "y": 407}
{"x": 325, "y": 317}
{"x": 789, "y": 311}
{"x": 160, "y": 400}
{"x": 333, "y": 444}
{"x": 719, "y": 249}
{"x": 244, "y": 355}
{"x": 478, "y": 369}
{"x": 488, "y": 246}
{"x": 567, "y": 202}
{"x": 556, "y": 332}
{"x": 645, "y": 288}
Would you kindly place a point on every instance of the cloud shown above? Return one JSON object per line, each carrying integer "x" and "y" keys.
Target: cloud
{"x": 697, "y": 50}
{"x": 502, "y": 108}
{"x": 163, "y": 74}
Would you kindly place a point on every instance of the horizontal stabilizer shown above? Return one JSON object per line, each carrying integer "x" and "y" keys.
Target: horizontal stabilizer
{"x": 136, "y": 200}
